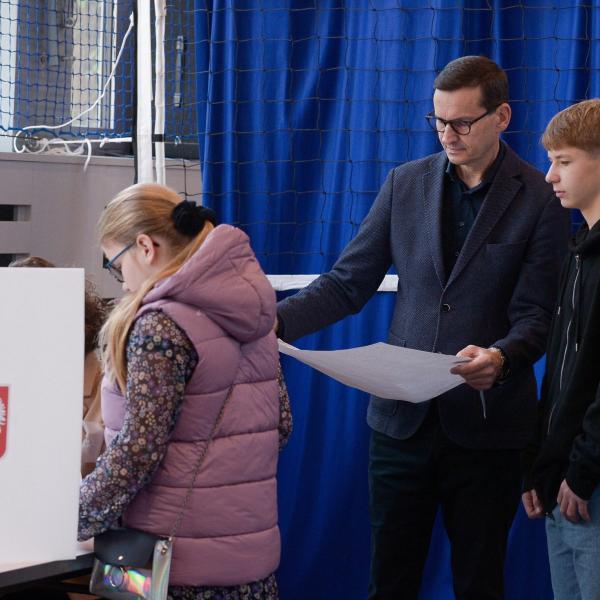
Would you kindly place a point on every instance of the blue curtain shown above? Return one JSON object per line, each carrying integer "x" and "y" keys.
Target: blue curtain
{"x": 303, "y": 108}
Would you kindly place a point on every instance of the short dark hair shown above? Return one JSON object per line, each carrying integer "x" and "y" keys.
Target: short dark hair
{"x": 475, "y": 71}
{"x": 32, "y": 261}
{"x": 95, "y": 315}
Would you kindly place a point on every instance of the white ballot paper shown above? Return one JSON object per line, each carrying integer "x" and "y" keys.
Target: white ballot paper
{"x": 384, "y": 370}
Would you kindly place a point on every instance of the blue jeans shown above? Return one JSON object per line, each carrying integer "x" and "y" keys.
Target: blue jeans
{"x": 574, "y": 553}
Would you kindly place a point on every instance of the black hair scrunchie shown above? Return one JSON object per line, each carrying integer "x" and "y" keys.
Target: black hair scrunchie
{"x": 189, "y": 219}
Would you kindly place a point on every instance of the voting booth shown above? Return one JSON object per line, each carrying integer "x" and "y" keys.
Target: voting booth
{"x": 41, "y": 389}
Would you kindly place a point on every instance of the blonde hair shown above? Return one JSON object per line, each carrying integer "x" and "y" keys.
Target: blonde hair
{"x": 577, "y": 126}
{"x": 142, "y": 208}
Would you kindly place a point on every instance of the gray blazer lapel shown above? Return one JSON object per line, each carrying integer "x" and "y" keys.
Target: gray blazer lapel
{"x": 502, "y": 192}
{"x": 433, "y": 189}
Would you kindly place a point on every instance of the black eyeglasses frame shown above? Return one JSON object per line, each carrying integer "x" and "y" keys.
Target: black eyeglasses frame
{"x": 432, "y": 119}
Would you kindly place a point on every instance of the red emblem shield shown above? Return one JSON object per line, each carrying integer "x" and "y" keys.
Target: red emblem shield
{"x": 3, "y": 417}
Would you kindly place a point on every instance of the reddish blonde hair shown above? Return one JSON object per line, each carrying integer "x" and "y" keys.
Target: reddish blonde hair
{"x": 577, "y": 126}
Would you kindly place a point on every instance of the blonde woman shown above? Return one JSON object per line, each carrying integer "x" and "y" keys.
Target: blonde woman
{"x": 195, "y": 325}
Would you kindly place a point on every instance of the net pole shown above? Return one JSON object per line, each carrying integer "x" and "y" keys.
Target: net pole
{"x": 160, "y": 11}
{"x": 144, "y": 93}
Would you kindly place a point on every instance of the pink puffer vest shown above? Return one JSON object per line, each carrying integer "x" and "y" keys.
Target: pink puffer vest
{"x": 229, "y": 534}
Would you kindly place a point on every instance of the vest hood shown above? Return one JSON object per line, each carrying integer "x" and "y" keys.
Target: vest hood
{"x": 224, "y": 280}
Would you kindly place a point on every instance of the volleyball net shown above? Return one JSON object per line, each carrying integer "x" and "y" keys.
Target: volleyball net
{"x": 290, "y": 111}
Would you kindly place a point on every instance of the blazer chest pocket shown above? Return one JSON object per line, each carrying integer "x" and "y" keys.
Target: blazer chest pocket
{"x": 505, "y": 261}
{"x": 505, "y": 251}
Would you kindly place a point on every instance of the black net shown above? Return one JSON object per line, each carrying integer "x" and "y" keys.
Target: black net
{"x": 294, "y": 111}
{"x": 57, "y": 60}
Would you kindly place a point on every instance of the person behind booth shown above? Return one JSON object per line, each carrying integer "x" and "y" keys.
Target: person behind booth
{"x": 192, "y": 334}
{"x": 92, "y": 434}
{"x": 562, "y": 478}
{"x": 476, "y": 237}
{"x": 92, "y": 444}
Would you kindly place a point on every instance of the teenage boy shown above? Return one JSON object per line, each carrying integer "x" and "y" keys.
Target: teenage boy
{"x": 563, "y": 481}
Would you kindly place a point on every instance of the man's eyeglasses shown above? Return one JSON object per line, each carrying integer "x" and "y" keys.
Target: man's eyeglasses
{"x": 460, "y": 126}
{"x": 110, "y": 266}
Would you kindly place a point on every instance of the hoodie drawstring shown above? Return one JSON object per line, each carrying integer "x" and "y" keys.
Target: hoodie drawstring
{"x": 577, "y": 311}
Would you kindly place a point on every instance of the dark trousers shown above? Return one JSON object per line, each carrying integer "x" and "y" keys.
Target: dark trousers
{"x": 478, "y": 491}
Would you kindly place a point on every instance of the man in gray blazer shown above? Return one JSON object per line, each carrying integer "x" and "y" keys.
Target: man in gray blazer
{"x": 476, "y": 237}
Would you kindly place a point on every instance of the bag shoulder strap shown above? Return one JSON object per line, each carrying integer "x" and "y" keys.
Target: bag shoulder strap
{"x": 198, "y": 465}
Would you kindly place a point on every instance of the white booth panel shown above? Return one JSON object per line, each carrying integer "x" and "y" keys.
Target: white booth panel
{"x": 41, "y": 390}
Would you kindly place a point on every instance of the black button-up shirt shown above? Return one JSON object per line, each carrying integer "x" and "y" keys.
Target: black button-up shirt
{"x": 460, "y": 206}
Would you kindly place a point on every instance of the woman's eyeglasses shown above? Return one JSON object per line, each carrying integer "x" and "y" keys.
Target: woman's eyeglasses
{"x": 110, "y": 266}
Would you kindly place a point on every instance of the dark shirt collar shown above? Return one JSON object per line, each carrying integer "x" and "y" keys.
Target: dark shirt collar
{"x": 488, "y": 176}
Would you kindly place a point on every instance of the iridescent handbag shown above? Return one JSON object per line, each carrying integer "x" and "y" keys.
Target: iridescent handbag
{"x": 132, "y": 564}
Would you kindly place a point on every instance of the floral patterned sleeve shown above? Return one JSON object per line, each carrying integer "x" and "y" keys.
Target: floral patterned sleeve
{"x": 160, "y": 361}
{"x": 285, "y": 411}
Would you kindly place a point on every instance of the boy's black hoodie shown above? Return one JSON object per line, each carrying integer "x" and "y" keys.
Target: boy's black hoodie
{"x": 567, "y": 442}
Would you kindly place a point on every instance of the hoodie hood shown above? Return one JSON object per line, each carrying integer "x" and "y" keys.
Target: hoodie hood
{"x": 224, "y": 280}
{"x": 586, "y": 241}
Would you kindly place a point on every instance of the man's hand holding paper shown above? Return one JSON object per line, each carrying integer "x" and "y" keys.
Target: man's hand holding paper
{"x": 483, "y": 368}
